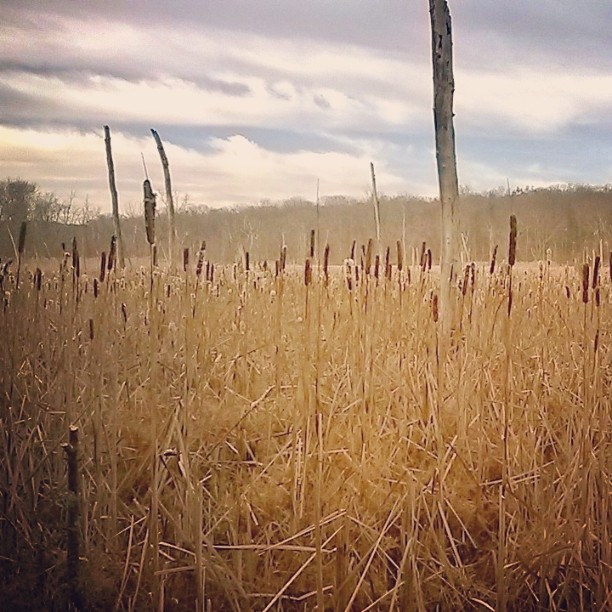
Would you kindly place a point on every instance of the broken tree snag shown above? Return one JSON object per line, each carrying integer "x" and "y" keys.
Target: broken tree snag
{"x": 114, "y": 197}
{"x": 73, "y": 526}
{"x": 169, "y": 198}
{"x": 444, "y": 88}
{"x": 376, "y": 204}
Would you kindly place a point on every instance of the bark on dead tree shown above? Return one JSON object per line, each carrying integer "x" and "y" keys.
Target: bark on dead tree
{"x": 169, "y": 198}
{"x": 444, "y": 88}
{"x": 114, "y": 197}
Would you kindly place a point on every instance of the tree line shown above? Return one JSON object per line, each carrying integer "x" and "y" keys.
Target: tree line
{"x": 558, "y": 222}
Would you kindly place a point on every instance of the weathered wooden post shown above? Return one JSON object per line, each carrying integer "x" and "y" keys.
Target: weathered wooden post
{"x": 73, "y": 526}
{"x": 114, "y": 197}
{"x": 169, "y": 197}
{"x": 444, "y": 88}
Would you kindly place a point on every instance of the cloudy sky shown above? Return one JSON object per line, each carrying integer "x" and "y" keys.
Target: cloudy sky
{"x": 259, "y": 99}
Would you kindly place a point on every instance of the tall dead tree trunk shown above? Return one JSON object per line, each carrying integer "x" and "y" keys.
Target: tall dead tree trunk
{"x": 114, "y": 197}
{"x": 169, "y": 198}
{"x": 376, "y": 203}
{"x": 444, "y": 88}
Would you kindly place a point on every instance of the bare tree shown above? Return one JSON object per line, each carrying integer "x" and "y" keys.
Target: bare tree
{"x": 444, "y": 89}
{"x": 169, "y": 198}
{"x": 114, "y": 196}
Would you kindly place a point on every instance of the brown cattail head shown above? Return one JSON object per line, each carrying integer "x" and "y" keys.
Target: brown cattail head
{"x": 585, "y": 283}
{"x": 95, "y": 287}
{"x": 434, "y": 307}
{"x": 22, "y": 237}
{"x": 185, "y": 259}
{"x": 154, "y": 255}
{"x": 610, "y": 265}
{"x": 149, "y": 211}
{"x": 400, "y": 256}
{"x": 76, "y": 260}
{"x": 429, "y": 259}
{"x": 247, "y": 261}
{"x": 368, "y": 256}
{"x": 376, "y": 267}
{"x": 112, "y": 253}
{"x": 326, "y": 264}
{"x": 124, "y": 312}
{"x": 493, "y": 258}
{"x": 353, "y": 246}
{"x": 466, "y": 279}
{"x": 91, "y": 329}
{"x": 283, "y": 258}
{"x": 312, "y": 244}
{"x": 201, "y": 256}
{"x": 307, "y": 272}
{"x": 38, "y": 279}
{"x": 472, "y": 275}
{"x": 512, "y": 242}
{"x": 423, "y": 255}
{"x": 102, "y": 266}
{"x": 596, "y": 265}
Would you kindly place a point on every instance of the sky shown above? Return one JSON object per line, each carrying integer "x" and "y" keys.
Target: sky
{"x": 261, "y": 100}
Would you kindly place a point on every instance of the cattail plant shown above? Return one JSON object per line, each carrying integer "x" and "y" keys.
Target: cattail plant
{"x": 368, "y": 256}
{"x": 585, "y": 283}
{"x": 400, "y": 256}
{"x": 512, "y": 242}
{"x": 326, "y": 264}
{"x": 76, "y": 260}
{"x": 307, "y": 273}
{"x": 201, "y": 257}
{"x": 102, "y": 266}
{"x": 434, "y": 307}
{"x": 20, "y": 249}
{"x": 596, "y": 265}
{"x": 511, "y": 259}
{"x": 493, "y": 258}
{"x": 112, "y": 253}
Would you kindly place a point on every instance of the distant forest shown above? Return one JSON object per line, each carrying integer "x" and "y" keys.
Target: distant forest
{"x": 563, "y": 223}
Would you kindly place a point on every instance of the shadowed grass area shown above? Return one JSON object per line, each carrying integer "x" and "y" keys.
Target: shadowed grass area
{"x": 249, "y": 441}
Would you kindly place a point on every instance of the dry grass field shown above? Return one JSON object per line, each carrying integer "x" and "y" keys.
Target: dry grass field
{"x": 272, "y": 439}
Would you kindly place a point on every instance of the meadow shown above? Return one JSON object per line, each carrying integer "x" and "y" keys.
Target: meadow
{"x": 266, "y": 436}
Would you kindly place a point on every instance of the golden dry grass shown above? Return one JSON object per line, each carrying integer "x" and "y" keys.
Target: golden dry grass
{"x": 253, "y": 443}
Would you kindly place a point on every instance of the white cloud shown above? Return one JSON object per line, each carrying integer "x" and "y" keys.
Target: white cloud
{"x": 235, "y": 170}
